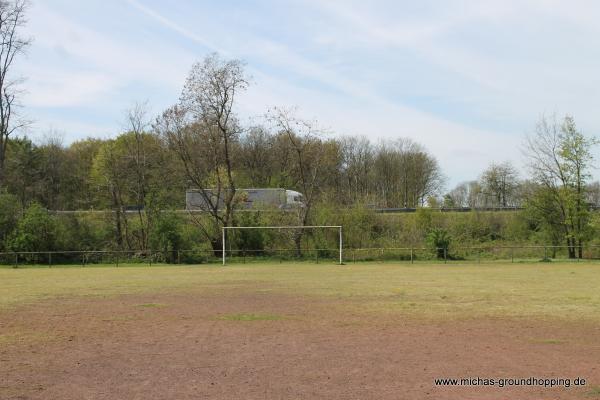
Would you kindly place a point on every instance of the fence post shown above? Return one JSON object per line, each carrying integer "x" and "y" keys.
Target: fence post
{"x": 16, "y": 260}
{"x": 411, "y": 255}
{"x": 545, "y": 253}
{"x": 117, "y": 259}
{"x": 49, "y": 260}
{"x": 445, "y": 255}
{"x": 512, "y": 254}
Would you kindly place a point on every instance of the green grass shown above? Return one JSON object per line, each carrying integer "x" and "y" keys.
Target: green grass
{"x": 250, "y": 317}
{"x": 25, "y": 337}
{"x": 548, "y": 341}
{"x": 594, "y": 391}
{"x": 555, "y": 290}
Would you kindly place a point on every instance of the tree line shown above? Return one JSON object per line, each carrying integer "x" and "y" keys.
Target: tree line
{"x": 201, "y": 142}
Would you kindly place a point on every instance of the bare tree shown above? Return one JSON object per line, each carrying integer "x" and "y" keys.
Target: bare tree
{"x": 130, "y": 171}
{"x": 137, "y": 149}
{"x": 257, "y": 157}
{"x": 499, "y": 182}
{"x": 457, "y": 197}
{"x": 109, "y": 173}
{"x": 12, "y": 19}
{"x": 203, "y": 130}
{"x": 593, "y": 193}
{"x": 357, "y": 167}
{"x": 306, "y": 159}
{"x": 406, "y": 173}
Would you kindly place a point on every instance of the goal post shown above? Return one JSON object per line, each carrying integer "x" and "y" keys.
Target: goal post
{"x": 338, "y": 227}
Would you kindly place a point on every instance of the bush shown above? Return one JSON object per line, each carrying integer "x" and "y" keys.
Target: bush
{"x": 36, "y": 231}
{"x": 166, "y": 235}
{"x": 9, "y": 217}
{"x": 248, "y": 239}
{"x": 79, "y": 233}
{"x": 439, "y": 239}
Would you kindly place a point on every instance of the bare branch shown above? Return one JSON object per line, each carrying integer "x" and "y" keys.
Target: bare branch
{"x": 12, "y": 19}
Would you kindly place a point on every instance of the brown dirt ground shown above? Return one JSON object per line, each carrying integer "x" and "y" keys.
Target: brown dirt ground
{"x": 191, "y": 346}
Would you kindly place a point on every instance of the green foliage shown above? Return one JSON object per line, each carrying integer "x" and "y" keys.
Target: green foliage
{"x": 360, "y": 224}
{"x": 166, "y": 235}
{"x": 449, "y": 202}
{"x": 424, "y": 220}
{"x": 478, "y": 227}
{"x": 36, "y": 231}
{"x": 9, "y": 216}
{"x": 516, "y": 228}
{"x": 545, "y": 217}
{"x": 80, "y": 233}
{"x": 249, "y": 239}
{"x": 561, "y": 158}
{"x": 362, "y": 227}
{"x": 439, "y": 240}
{"x": 22, "y": 169}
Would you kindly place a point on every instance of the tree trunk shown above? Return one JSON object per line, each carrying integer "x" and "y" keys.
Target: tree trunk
{"x": 119, "y": 231}
{"x": 1, "y": 164}
{"x": 118, "y": 227}
{"x": 571, "y": 247}
{"x": 298, "y": 242}
{"x": 441, "y": 252}
{"x": 217, "y": 246}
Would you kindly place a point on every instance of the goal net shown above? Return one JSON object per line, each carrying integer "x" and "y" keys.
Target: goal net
{"x": 325, "y": 241}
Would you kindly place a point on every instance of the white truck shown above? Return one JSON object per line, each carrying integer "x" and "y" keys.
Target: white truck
{"x": 248, "y": 199}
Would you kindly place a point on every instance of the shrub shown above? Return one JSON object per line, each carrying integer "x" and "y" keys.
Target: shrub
{"x": 9, "y": 217}
{"x": 36, "y": 231}
{"x": 166, "y": 235}
{"x": 439, "y": 240}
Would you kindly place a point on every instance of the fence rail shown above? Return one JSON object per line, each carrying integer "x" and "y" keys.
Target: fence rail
{"x": 453, "y": 254}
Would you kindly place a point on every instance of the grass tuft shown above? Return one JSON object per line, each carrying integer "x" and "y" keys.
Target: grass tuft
{"x": 152, "y": 305}
{"x": 594, "y": 391}
{"x": 250, "y": 317}
{"x": 548, "y": 341}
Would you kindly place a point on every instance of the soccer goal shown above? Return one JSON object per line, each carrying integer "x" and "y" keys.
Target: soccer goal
{"x": 286, "y": 228}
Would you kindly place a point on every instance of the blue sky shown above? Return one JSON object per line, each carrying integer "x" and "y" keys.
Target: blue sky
{"x": 468, "y": 79}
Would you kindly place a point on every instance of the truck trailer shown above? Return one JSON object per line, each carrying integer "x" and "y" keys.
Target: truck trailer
{"x": 248, "y": 199}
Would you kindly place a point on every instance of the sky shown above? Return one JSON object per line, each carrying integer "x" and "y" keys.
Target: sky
{"x": 467, "y": 79}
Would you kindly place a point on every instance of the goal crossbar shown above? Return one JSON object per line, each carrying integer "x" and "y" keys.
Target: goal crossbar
{"x": 338, "y": 227}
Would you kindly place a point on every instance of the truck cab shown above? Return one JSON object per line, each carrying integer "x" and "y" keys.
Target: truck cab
{"x": 294, "y": 199}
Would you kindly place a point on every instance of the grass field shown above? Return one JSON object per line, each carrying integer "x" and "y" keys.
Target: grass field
{"x": 344, "y": 326}
{"x": 547, "y": 290}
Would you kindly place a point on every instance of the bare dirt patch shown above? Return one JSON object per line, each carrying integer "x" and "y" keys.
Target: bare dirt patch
{"x": 259, "y": 345}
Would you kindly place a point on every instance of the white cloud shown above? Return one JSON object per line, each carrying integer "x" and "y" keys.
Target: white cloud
{"x": 492, "y": 66}
{"x": 166, "y": 22}
{"x": 56, "y": 89}
{"x": 77, "y": 65}
{"x": 462, "y": 151}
